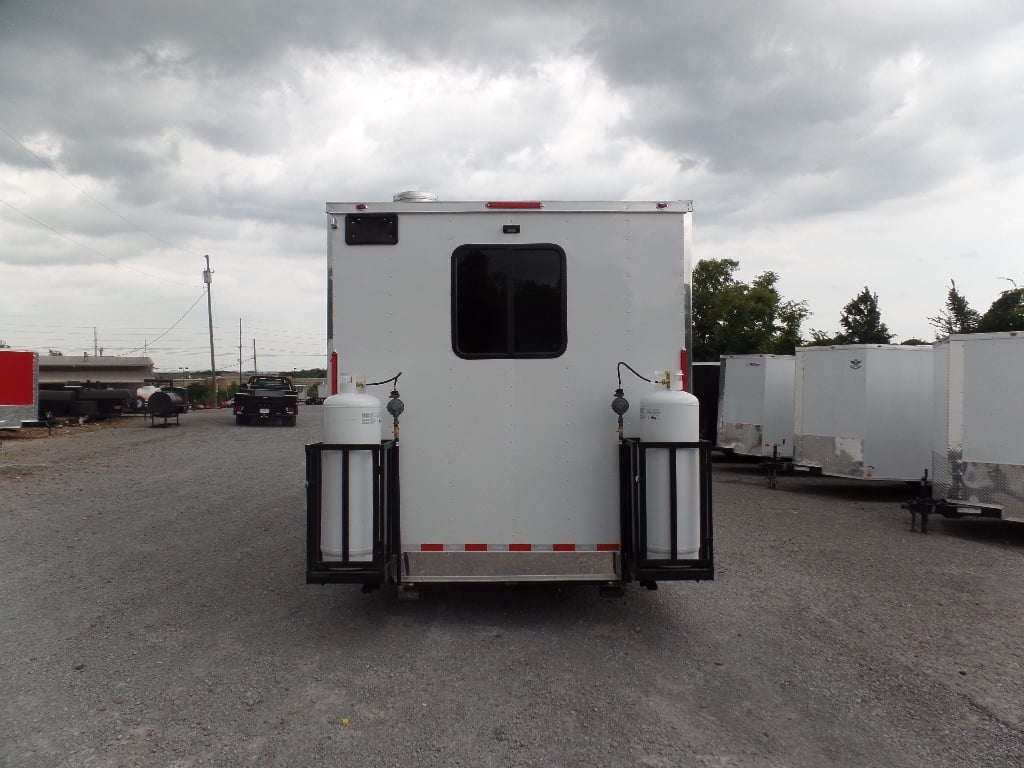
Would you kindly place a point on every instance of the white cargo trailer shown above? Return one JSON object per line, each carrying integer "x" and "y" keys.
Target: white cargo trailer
{"x": 863, "y": 410}
{"x": 509, "y": 324}
{"x": 755, "y": 407}
{"x": 978, "y": 423}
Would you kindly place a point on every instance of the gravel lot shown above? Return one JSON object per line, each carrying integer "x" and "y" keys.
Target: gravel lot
{"x": 153, "y": 612}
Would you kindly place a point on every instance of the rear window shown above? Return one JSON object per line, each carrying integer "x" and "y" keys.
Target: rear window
{"x": 508, "y": 301}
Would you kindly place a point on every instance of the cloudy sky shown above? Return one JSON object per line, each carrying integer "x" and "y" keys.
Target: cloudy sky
{"x": 840, "y": 144}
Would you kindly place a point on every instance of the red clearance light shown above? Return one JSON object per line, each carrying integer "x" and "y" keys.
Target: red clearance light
{"x": 515, "y": 204}
{"x": 663, "y": 205}
{"x": 360, "y": 206}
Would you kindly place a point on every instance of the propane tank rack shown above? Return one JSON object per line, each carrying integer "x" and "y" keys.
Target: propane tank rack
{"x": 385, "y": 537}
{"x": 633, "y": 476}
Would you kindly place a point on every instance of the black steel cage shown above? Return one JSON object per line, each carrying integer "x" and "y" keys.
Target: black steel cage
{"x": 382, "y": 567}
{"x": 385, "y": 512}
{"x": 637, "y": 566}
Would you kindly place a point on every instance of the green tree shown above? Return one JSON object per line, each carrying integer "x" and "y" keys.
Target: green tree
{"x": 1005, "y": 314}
{"x": 731, "y": 317}
{"x": 198, "y": 393}
{"x": 861, "y": 321}
{"x": 957, "y": 317}
{"x": 791, "y": 316}
{"x": 4, "y": 344}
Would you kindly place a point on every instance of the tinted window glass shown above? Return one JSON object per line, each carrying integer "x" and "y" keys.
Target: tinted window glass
{"x": 481, "y": 301}
{"x": 508, "y": 301}
{"x": 537, "y": 302}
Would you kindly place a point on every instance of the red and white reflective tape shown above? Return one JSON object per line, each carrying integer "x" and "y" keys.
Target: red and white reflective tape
{"x": 519, "y": 547}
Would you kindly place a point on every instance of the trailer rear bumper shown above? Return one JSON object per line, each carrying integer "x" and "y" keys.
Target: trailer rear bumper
{"x": 455, "y": 566}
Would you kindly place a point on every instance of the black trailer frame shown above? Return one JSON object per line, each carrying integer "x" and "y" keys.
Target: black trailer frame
{"x": 924, "y": 504}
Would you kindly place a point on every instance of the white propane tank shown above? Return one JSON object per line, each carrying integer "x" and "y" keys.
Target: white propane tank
{"x": 143, "y": 393}
{"x": 351, "y": 417}
{"x": 671, "y": 415}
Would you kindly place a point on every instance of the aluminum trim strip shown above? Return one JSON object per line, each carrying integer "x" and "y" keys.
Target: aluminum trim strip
{"x": 510, "y": 566}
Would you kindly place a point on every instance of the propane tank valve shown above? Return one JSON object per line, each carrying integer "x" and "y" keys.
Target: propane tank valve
{"x": 395, "y": 408}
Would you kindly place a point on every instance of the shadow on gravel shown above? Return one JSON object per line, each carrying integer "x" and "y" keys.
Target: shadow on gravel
{"x": 884, "y": 491}
{"x": 542, "y": 605}
{"x": 545, "y": 601}
{"x": 449, "y": 624}
{"x": 1000, "y": 532}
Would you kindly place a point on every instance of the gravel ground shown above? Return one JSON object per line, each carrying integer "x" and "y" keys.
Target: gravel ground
{"x": 153, "y": 612}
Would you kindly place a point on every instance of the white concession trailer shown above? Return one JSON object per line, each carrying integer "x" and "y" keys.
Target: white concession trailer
{"x": 864, "y": 410}
{"x": 509, "y": 327}
{"x": 755, "y": 406}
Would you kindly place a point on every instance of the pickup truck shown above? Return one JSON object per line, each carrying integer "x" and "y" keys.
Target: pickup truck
{"x": 266, "y": 398}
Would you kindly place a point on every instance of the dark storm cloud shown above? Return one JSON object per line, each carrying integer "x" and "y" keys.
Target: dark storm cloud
{"x": 775, "y": 91}
{"x": 207, "y": 120}
{"x": 227, "y": 38}
{"x": 120, "y": 88}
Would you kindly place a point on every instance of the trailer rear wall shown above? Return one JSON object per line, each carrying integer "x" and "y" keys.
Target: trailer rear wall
{"x": 755, "y": 413}
{"x": 509, "y": 456}
{"x": 978, "y": 421}
{"x": 864, "y": 410}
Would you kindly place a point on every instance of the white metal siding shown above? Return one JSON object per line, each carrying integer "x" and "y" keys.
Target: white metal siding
{"x": 993, "y": 419}
{"x": 897, "y": 438}
{"x": 864, "y": 410}
{"x": 978, "y": 454}
{"x": 756, "y": 407}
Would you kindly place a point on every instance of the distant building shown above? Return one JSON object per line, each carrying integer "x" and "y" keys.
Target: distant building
{"x": 109, "y": 371}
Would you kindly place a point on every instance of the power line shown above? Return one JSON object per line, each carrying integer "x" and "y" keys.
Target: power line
{"x": 86, "y": 247}
{"x": 175, "y": 323}
{"x": 85, "y": 192}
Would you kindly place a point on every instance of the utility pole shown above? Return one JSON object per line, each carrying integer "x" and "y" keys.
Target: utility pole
{"x": 239, "y": 351}
{"x": 208, "y": 279}
{"x": 254, "y": 369}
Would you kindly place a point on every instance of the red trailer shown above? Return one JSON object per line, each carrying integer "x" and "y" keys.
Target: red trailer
{"x": 19, "y": 388}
